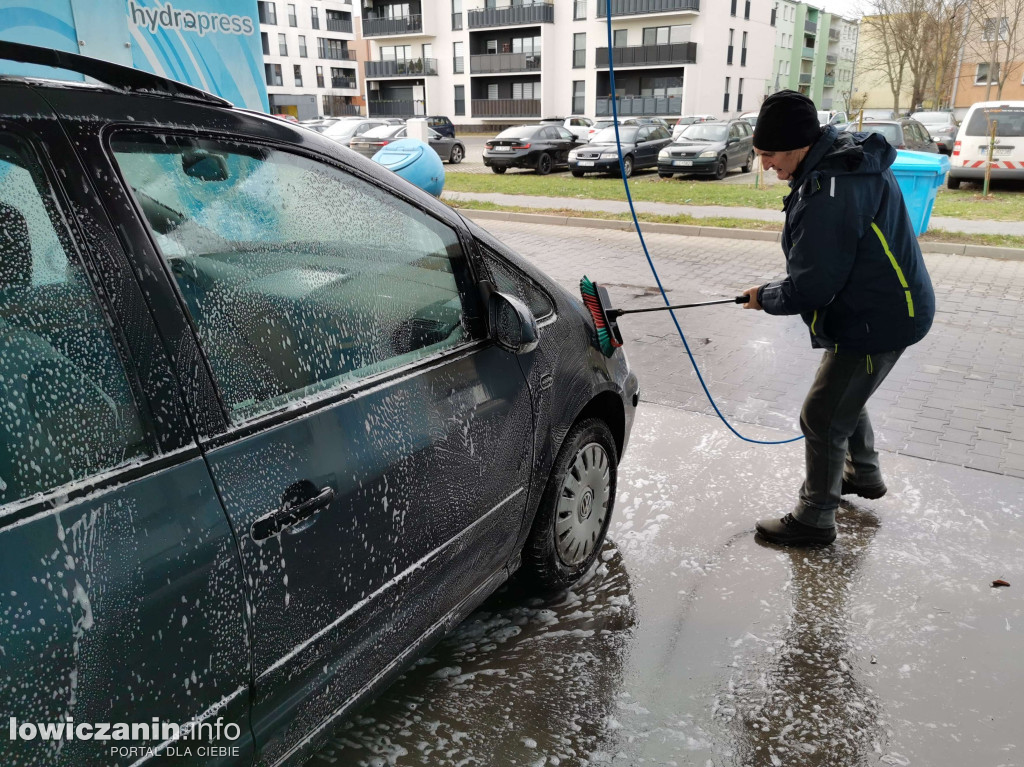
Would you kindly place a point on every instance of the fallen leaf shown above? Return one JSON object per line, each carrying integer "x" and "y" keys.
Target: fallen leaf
{"x": 1000, "y": 582}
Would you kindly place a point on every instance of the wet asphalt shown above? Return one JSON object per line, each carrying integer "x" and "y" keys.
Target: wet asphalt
{"x": 693, "y": 643}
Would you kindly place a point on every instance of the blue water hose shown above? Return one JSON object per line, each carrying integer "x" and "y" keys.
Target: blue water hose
{"x": 650, "y": 261}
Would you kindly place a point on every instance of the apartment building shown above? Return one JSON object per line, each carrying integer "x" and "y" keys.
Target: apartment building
{"x": 814, "y": 54}
{"x": 487, "y": 62}
{"x": 309, "y": 57}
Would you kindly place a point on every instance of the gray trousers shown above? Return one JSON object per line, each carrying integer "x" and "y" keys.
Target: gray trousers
{"x": 838, "y": 438}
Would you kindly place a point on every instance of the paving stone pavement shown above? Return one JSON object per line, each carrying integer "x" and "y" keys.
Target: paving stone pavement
{"x": 956, "y": 397}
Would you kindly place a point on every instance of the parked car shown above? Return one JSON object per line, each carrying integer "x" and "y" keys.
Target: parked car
{"x": 273, "y": 421}
{"x": 686, "y": 121}
{"x": 345, "y": 129}
{"x": 541, "y": 147}
{"x": 640, "y": 147}
{"x": 320, "y": 124}
{"x": 442, "y": 125}
{"x": 832, "y": 117}
{"x": 286, "y": 117}
{"x": 448, "y": 149}
{"x": 750, "y": 117}
{"x": 709, "y": 149}
{"x": 577, "y": 126}
{"x": 903, "y": 133}
{"x": 393, "y": 120}
{"x": 971, "y": 148}
{"x": 942, "y": 127}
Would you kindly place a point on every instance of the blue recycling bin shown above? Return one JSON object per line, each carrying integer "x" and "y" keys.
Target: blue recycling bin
{"x": 414, "y": 161}
{"x": 920, "y": 174}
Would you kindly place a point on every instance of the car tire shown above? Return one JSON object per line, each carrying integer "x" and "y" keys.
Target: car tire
{"x": 952, "y": 183}
{"x": 457, "y": 154}
{"x": 626, "y": 169}
{"x": 498, "y": 169}
{"x": 665, "y": 175}
{"x": 544, "y": 164}
{"x": 748, "y": 164}
{"x": 577, "y": 173}
{"x": 721, "y": 169}
{"x": 575, "y": 509}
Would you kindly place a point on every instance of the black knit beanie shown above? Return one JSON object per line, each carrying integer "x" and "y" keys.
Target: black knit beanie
{"x": 787, "y": 120}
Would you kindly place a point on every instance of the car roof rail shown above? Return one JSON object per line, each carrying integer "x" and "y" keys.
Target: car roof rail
{"x": 106, "y": 72}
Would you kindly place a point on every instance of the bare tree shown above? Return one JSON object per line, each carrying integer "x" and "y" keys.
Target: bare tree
{"x": 995, "y": 38}
{"x": 948, "y": 26}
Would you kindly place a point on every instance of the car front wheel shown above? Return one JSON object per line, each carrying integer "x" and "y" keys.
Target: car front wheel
{"x": 575, "y": 510}
{"x": 456, "y": 156}
{"x": 498, "y": 169}
{"x": 721, "y": 169}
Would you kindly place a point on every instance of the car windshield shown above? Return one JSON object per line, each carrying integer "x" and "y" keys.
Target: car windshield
{"x": 343, "y": 129}
{"x": 889, "y": 131}
{"x": 824, "y": 117}
{"x": 932, "y": 118}
{"x": 602, "y": 124}
{"x": 706, "y": 132}
{"x": 627, "y": 134}
{"x": 521, "y": 131}
{"x": 1009, "y": 121}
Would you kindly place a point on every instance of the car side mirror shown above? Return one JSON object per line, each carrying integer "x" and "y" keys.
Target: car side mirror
{"x": 511, "y": 324}
{"x": 731, "y": 141}
{"x": 204, "y": 166}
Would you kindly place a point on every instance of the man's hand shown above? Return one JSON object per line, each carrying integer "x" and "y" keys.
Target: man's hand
{"x": 753, "y": 302}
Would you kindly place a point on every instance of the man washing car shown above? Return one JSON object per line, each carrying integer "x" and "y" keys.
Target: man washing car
{"x": 856, "y": 276}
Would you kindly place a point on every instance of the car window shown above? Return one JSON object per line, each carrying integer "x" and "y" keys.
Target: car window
{"x": 565, "y": 134}
{"x": 519, "y": 131}
{"x": 298, "y": 276}
{"x": 627, "y": 134}
{"x": 67, "y": 411}
{"x": 1009, "y": 121}
{"x": 643, "y": 134}
{"x": 889, "y": 131}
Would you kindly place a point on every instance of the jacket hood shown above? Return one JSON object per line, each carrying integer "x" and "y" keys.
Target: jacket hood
{"x": 838, "y": 153}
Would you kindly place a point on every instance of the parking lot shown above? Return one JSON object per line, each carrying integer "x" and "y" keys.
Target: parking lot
{"x": 692, "y": 643}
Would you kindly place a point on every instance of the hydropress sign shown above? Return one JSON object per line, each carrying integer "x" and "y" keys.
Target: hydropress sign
{"x": 200, "y": 22}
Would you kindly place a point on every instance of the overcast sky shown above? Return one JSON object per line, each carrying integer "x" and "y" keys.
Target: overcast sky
{"x": 850, "y": 9}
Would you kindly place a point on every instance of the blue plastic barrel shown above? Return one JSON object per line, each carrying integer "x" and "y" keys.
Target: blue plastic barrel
{"x": 920, "y": 174}
{"x": 414, "y": 161}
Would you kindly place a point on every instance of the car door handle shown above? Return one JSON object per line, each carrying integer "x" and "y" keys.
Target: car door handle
{"x": 290, "y": 514}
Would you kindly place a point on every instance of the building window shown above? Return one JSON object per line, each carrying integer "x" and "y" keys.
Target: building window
{"x": 525, "y": 91}
{"x": 329, "y": 48}
{"x": 458, "y": 58}
{"x": 341, "y": 79}
{"x": 746, "y": 9}
{"x": 579, "y": 10}
{"x": 314, "y": 17}
{"x": 319, "y": 77}
{"x": 743, "y": 51}
{"x": 725, "y": 101}
{"x": 728, "y": 50}
{"x": 989, "y": 33}
{"x": 732, "y": 8}
{"x": 297, "y": 71}
{"x": 282, "y": 45}
{"x": 578, "y": 92}
{"x": 775, "y": 12}
{"x": 620, "y": 38}
{"x": 679, "y": 33}
{"x": 293, "y": 21}
{"x": 267, "y": 12}
{"x": 987, "y": 73}
{"x": 273, "y": 72}
{"x": 266, "y": 43}
{"x": 302, "y": 46}
{"x": 395, "y": 53}
{"x": 460, "y": 99}
{"x": 579, "y": 50}
{"x": 492, "y": 47}
{"x": 492, "y": 92}
{"x": 739, "y": 96}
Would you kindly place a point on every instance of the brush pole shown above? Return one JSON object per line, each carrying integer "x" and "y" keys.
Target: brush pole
{"x": 613, "y": 313}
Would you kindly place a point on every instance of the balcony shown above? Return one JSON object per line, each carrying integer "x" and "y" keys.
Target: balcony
{"x": 513, "y": 15}
{"x": 506, "y": 107}
{"x": 339, "y": 25}
{"x": 649, "y": 55}
{"x": 830, "y": 80}
{"x": 344, "y": 82}
{"x": 805, "y": 79}
{"x": 492, "y": 63}
{"x": 637, "y": 7}
{"x": 401, "y": 68}
{"x": 335, "y": 54}
{"x": 406, "y": 25}
{"x": 341, "y": 110}
{"x": 833, "y": 35}
{"x": 639, "y": 106}
{"x": 807, "y": 53}
{"x": 396, "y": 108}
{"x": 811, "y": 27}
{"x": 832, "y": 58}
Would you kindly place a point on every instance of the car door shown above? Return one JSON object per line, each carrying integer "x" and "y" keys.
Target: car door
{"x": 375, "y": 453}
{"x": 563, "y": 141}
{"x": 734, "y": 149}
{"x": 123, "y": 599}
{"x": 441, "y": 144}
{"x": 642, "y": 147}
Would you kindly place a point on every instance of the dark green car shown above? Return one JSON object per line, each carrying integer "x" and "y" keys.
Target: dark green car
{"x": 709, "y": 149}
{"x": 273, "y": 421}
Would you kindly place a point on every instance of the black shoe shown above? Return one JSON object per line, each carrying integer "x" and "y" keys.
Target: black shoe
{"x": 790, "y": 532}
{"x": 864, "y": 491}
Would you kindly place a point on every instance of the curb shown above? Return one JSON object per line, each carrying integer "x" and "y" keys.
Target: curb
{"x": 688, "y": 230}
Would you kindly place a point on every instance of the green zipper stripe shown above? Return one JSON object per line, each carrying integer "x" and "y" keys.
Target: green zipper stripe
{"x": 813, "y": 320}
{"x": 896, "y": 266}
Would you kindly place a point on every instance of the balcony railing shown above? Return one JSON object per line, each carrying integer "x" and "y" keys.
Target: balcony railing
{"x": 637, "y": 7}
{"x": 805, "y": 79}
{"x": 537, "y": 13}
{"x": 339, "y": 25}
{"x": 401, "y": 68}
{"x": 344, "y": 82}
{"x": 808, "y": 53}
{"x": 506, "y": 107}
{"x": 832, "y": 58}
{"x": 504, "y": 62}
{"x": 340, "y": 110}
{"x": 335, "y": 54}
{"x": 829, "y": 81}
{"x": 382, "y": 27}
{"x": 811, "y": 27}
{"x": 649, "y": 55}
{"x": 396, "y": 108}
{"x": 637, "y": 106}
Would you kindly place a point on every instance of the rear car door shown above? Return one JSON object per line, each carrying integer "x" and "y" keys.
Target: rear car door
{"x": 375, "y": 452}
{"x": 122, "y": 595}
{"x": 563, "y": 141}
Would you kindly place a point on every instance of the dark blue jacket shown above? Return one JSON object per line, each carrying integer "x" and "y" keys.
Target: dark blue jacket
{"x": 854, "y": 268}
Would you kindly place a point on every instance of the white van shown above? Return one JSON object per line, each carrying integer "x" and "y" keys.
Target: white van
{"x": 970, "y": 150}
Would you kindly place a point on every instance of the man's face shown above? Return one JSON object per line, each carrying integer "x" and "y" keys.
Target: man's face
{"x": 784, "y": 163}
